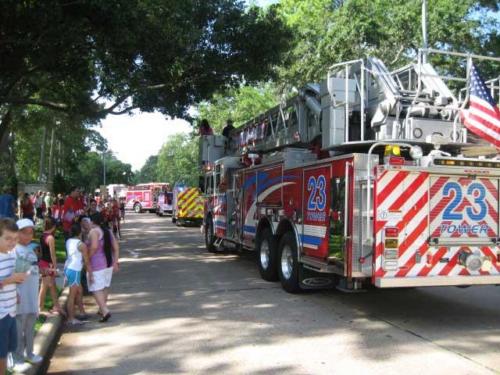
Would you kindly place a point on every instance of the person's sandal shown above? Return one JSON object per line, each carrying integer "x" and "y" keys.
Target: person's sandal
{"x": 105, "y": 318}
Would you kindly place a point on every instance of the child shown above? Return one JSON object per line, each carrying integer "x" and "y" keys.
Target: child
{"x": 48, "y": 266}
{"x": 77, "y": 253}
{"x": 8, "y": 294}
{"x": 27, "y": 308}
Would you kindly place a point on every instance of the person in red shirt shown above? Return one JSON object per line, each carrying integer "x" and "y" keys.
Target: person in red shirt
{"x": 115, "y": 218}
{"x": 205, "y": 128}
{"x": 72, "y": 210}
{"x": 27, "y": 208}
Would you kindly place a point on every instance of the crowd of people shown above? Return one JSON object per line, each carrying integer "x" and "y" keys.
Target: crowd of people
{"x": 28, "y": 268}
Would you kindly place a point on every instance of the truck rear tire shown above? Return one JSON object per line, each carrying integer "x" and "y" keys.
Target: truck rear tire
{"x": 288, "y": 264}
{"x": 267, "y": 255}
{"x": 210, "y": 236}
{"x": 137, "y": 208}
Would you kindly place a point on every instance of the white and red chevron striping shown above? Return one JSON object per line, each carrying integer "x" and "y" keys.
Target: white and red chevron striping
{"x": 407, "y": 194}
{"x": 418, "y": 199}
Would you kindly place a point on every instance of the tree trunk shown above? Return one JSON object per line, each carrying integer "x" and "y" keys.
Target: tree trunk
{"x": 51, "y": 157}
{"x": 42, "y": 156}
{"x": 4, "y": 131}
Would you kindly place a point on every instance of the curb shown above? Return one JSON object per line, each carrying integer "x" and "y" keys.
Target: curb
{"x": 47, "y": 338}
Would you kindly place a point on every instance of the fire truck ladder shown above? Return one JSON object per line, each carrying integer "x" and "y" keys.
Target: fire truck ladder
{"x": 293, "y": 123}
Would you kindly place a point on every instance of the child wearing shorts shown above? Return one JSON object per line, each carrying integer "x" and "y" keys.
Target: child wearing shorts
{"x": 77, "y": 254}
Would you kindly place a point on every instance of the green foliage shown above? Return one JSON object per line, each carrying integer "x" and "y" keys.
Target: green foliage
{"x": 88, "y": 173}
{"x": 391, "y": 29}
{"x": 150, "y": 54}
{"x": 148, "y": 172}
{"x": 178, "y": 160}
{"x": 239, "y": 104}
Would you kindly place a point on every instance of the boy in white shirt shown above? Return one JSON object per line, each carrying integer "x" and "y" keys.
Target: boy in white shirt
{"x": 27, "y": 309}
{"x": 8, "y": 294}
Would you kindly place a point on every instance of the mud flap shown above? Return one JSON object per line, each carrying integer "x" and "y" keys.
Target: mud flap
{"x": 312, "y": 280}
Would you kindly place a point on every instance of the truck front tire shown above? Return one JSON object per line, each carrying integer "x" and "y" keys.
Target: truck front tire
{"x": 210, "y": 235}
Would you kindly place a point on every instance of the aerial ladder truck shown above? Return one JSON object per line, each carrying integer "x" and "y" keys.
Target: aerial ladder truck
{"x": 368, "y": 178}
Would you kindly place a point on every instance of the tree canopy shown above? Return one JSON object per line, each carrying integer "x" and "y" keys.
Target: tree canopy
{"x": 238, "y": 104}
{"x": 99, "y": 57}
{"x": 327, "y": 32}
{"x": 84, "y": 60}
{"x": 178, "y": 160}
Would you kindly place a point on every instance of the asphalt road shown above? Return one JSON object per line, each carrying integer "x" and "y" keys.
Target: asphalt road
{"x": 180, "y": 310}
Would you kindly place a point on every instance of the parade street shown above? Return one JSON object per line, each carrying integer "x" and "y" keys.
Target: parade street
{"x": 178, "y": 309}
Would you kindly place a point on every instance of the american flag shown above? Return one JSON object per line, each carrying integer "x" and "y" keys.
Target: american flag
{"x": 483, "y": 115}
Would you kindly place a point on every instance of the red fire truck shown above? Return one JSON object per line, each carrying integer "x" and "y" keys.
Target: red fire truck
{"x": 369, "y": 178}
{"x": 144, "y": 196}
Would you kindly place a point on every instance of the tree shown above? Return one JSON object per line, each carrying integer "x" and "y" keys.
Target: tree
{"x": 178, "y": 160}
{"x": 327, "y": 32}
{"x": 239, "y": 104}
{"x": 148, "y": 172}
{"x": 89, "y": 171}
{"x": 94, "y": 58}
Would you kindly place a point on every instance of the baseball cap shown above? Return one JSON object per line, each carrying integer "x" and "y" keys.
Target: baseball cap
{"x": 25, "y": 223}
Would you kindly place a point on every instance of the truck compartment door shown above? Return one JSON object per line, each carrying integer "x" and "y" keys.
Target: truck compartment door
{"x": 316, "y": 211}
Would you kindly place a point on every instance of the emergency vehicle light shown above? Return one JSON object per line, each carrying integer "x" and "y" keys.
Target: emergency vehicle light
{"x": 392, "y": 150}
{"x": 391, "y": 232}
{"x": 467, "y": 163}
{"x": 391, "y": 254}
{"x": 391, "y": 243}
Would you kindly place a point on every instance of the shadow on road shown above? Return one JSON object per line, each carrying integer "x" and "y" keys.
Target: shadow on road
{"x": 179, "y": 309}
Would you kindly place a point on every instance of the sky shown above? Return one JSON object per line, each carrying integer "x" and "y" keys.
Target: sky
{"x": 133, "y": 139}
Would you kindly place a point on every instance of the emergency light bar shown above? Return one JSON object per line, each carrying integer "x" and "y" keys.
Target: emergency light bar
{"x": 466, "y": 163}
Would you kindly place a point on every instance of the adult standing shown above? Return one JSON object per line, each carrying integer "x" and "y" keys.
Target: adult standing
{"x": 27, "y": 208}
{"x": 38, "y": 203}
{"x": 226, "y": 132}
{"x": 49, "y": 201}
{"x": 104, "y": 254}
{"x": 7, "y": 204}
{"x": 205, "y": 128}
{"x": 73, "y": 208}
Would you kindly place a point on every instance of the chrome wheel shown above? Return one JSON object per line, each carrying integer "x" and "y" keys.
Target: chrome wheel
{"x": 265, "y": 254}
{"x": 286, "y": 262}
